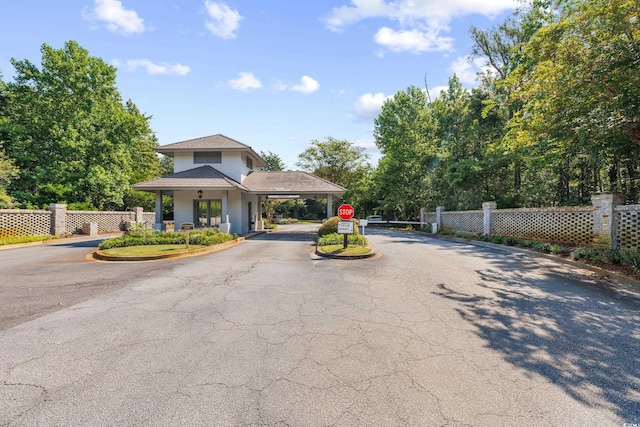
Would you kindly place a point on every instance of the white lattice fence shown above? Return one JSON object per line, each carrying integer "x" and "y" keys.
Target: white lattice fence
{"x": 570, "y": 225}
{"x": 14, "y": 222}
{"x": 464, "y": 221}
{"x": 149, "y": 217}
{"x": 628, "y": 220}
{"x": 107, "y": 221}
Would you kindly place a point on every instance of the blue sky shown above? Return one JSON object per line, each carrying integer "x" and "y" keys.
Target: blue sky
{"x": 272, "y": 74}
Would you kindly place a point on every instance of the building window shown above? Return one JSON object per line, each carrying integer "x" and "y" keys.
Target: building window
{"x": 249, "y": 163}
{"x": 200, "y": 157}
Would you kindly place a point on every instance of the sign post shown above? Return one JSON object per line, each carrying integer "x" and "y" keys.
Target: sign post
{"x": 363, "y": 224}
{"x": 345, "y": 213}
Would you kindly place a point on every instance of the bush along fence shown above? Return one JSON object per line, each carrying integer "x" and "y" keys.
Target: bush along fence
{"x": 606, "y": 224}
{"x": 58, "y": 221}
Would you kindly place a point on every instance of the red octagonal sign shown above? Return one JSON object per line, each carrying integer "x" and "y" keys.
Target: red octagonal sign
{"x": 345, "y": 212}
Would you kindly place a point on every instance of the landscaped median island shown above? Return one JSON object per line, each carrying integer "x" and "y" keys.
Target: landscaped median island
{"x": 142, "y": 245}
{"x": 331, "y": 244}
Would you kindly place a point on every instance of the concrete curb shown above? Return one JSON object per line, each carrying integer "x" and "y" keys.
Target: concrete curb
{"x": 101, "y": 256}
{"x": 370, "y": 254}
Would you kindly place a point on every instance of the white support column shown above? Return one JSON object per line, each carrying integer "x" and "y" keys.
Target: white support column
{"x": 225, "y": 225}
{"x": 487, "y": 212}
{"x": 225, "y": 205}
{"x": 329, "y": 206}
{"x": 159, "y": 224}
{"x": 259, "y": 223}
{"x": 158, "y": 207}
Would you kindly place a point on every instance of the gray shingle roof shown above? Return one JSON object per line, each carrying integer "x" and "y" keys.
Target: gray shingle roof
{"x": 199, "y": 178}
{"x": 290, "y": 182}
{"x": 211, "y": 142}
{"x": 259, "y": 182}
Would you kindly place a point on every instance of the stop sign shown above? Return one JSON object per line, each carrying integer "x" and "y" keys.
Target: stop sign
{"x": 345, "y": 212}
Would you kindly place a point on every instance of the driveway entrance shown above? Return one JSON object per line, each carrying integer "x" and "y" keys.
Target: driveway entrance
{"x": 265, "y": 333}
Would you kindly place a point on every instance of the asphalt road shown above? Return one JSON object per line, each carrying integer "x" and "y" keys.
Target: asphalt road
{"x": 432, "y": 332}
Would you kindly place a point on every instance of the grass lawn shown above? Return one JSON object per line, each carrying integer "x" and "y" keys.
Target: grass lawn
{"x": 351, "y": 249}
{"x": 148, "y": 250}
{"x": 23, "y": 239}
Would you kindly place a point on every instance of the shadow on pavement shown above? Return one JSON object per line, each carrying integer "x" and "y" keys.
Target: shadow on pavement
{"x": 297, "y": 236}
{"x": 577, "y": 335}
{"x": 79, "y": 244}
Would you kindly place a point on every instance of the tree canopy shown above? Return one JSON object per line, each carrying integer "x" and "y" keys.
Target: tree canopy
{"x": 555, "y": 117}
{"x": 274, "y": 161}
{"x": 67, "y": 130}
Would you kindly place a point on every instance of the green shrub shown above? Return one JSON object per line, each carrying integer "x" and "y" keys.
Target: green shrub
{"x": 463, "y": 235}
{"x": 338, "y": 239}
{"x": 510, "y": 241}
{"x": 140, "y": 228}
{"x": 631, "y": 258}
{"x": 268, "y": 226}
{"x": 613, "y": 257}
{"x": 556, "y": 249}
{"x": 526, "y": 243}
{"x": 586, "y": 253}
{"x": 496, "y": 239}
{"x": 542, "y": 247}
{"x": 330, "y": 226}
{"x": 206, "y": 237}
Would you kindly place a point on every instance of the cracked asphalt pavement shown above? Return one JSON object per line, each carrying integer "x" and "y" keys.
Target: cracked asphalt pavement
{"x": 429, "y": 333}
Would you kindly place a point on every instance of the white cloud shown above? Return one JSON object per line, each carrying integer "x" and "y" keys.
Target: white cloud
{"x": 245, "y": 82}
{"x": 153, "y": 68}
{"x": 434, "y": 93}
{"x": 307, "y": 85}
{"x": 467, "y": 70}
{"x": 280, "y": 86}
{"x": 368, "y": 106}
{"x": 116, "y": 17}
{"x": 368, "y": 144}
{"x": 224, "y": 21}
{"x": 415, "y": 40}
{"x": 420, "y": 22}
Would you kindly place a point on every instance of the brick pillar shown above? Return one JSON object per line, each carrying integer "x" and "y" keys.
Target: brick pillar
{"x": 605, "y": 224}
{"x": 439, "y": 210}
{"x": 139, "y": 211}
{"x": 58, "y": 219}
{"x": 487, "y": 211}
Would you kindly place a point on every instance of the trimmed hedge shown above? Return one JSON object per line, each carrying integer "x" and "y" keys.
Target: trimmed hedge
{"x": 330, "y": 226}
{"x": 206, "y": 237}
{"x": 338, "y": 239}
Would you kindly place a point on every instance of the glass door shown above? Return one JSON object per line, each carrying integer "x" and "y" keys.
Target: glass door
{"x": 207, "y": 213}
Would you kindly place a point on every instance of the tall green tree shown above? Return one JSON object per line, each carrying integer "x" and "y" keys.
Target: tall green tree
{"x": 336, "y": 160}
{"x": 8, "y": 170}
{"x": 70, "y": 134}
{"x": 579, "y": 85}
{"x": 469, "y": 169}
{"x": 405, "y": 132}
{"x": 340, "y": 162}
{"x": 274, "y": 161}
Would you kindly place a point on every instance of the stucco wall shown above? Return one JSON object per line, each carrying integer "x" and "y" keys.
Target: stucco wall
{"x": 233, "y": 164}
